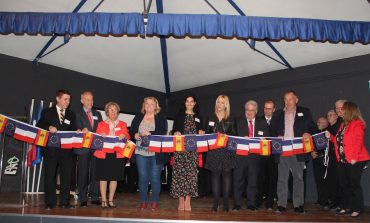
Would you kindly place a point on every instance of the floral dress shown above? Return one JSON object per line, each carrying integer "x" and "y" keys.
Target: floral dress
{"x": 184, "y": 172}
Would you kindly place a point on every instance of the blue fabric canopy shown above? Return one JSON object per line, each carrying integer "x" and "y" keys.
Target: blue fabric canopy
{"x": 72, "y": 23}
{"x": 258, "y": 28}
{"x": 180, "y": 25}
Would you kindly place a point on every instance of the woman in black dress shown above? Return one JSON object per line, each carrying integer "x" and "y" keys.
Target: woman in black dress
{"x": 184, "y": 183}
{"x": 221, "y": 161}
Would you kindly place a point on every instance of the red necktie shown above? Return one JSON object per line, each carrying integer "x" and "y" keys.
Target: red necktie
{"x": 90, "y": 119}
{"x": 250, "y": 129}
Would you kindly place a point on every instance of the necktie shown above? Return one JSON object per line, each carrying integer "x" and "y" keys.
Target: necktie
{"x": 268, "y": 122}
{"x": 250, "y": 129}
{"x": 90, "y": 119}
{"x": 62, "y": 117}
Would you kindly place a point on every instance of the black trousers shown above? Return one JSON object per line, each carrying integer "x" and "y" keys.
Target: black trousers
{"x": 204, "y": 182}
{"x": 319, "y": 173}
{"x": 350, "y": 180}
{"x": 335, "y": 193}
{"x": 267, "y": 180}
{"x": 247, "y": 169}
{"x": 54, "y": 157}
{"x": 86, "y": 177}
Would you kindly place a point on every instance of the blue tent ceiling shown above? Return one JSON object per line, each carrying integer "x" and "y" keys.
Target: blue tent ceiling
{"x": 195, "y": 62}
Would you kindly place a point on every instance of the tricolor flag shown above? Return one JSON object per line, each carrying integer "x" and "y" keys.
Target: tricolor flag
{"x": 202, "y": 143}
{"x": 265, "y": 147}
{"x": 3, "y": 120}
{"x": 179, "y": 143}
{"x": 155, "y": 143}
{"x": 211, "y": 139}
{"x": 287, "y": 148}
{"x": 109, "y": 143}
{"x": 190, "y": 142}
{"x": 276, "y": 147}
{"x": 254, "y": 146}
{"x": 128, "y": 149}
{"x": 69, "y": 140}
{"x": 26, "y": 133}
{"x": 242, "y": 148}
{"x": 120, "y": 145}
{"x": 10, "y": 126}
{"x": 297, "y": 146}
{"x": 87, "y": 140}
{"x": 53, "y": 140}
{"x": 168, "y": 144}
{"x": 320, "y": 141}
{"x": 97, "y": 142}
{"x": 42, "y": 138}
{"x": 307, "y": 145}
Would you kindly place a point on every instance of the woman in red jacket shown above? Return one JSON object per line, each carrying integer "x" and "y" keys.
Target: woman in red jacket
{"x": 110, "y": 164}
{"x": 352, "y": 156}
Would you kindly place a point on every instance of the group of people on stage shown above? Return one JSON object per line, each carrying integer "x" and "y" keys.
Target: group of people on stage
{"x": 253, "y": 175}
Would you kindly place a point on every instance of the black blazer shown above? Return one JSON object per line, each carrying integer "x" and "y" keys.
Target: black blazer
{"x": 82, "y": 121}
{"x": 303, "y": 123}
{"x": 261, "y": 128}
{"x": 224, "y": 126}
{"x": 50, "y": 117}
{"x": 160, "y": 129}
{"x": 178, "y": 123}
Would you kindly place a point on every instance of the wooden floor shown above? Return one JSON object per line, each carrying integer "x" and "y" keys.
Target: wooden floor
{"x": 128, "y": 209}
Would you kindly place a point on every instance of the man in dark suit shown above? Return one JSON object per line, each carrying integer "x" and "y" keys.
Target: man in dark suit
{"x": 58, "y": 118}
{"x": 87, "y": 119}
{"x": 247, "y": 167}
{"x": 292, "y": 121}
{"x": 268, "y": 172}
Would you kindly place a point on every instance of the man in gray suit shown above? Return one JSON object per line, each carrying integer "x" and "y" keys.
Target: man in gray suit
{"x": 87, "y": 119}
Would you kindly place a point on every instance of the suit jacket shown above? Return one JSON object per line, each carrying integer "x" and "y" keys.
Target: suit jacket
{"x": 303, "y": 123}
{"x": 178, "y": 123}
{"x": 353, "y": 142}
{"x": 50, "y": 117}
{"x": 82, "y": 121}
{"x": 261, "y": 128}
{"x": 213, "y": 125}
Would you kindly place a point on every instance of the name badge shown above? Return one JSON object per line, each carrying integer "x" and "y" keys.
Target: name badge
{"x": 260, "y": 133}
{"x": 67, "y": 121}
{"x": 211, "y": 123}
{"x": 300, "y": 114}
{"x": 117, "y": 129}
{"x": 197, "y": 120}
{"x": 95, "y": 118}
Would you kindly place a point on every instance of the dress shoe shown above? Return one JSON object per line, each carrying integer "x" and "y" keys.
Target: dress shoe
{"x": 97, "y": 202}
{"x": 236, "y": 208}
{"x": 49, "y": 207}
{"x": 355, "y": 214}
{"x": 111, "y": 204}
{"x": 343, "y": 212}
{"x": 299, "y": 209}
{"x": 154, "y": 206}
{"x": 226, "y": 208}
{"x": 252, "y": 208}
{"x": 83, "y": 204}
{"x": 66, "y": 206}
{"x": 280, "y": 209}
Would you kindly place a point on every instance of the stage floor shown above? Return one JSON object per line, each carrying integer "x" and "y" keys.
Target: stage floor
{"x": 128, "y": 211}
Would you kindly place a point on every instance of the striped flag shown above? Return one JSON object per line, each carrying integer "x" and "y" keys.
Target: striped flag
{"x": 297, "y": 146}
{"x": 109, "y": 142}
{"x": 42, "y": 138}
{"x": 242, "y": 148}
{"x": 307, "y": 145}
{"x": 26, "y": 133}
{"x": 69, "y": 140}
{"x": 87, "y": 140}
{"x": 168, "y": 144}
{"x": 3, "y": 120}
{"x": 190, "y": 143}
{"x": 254, "y": 146}
{"x": 265, "y": 147}
{"x": 179, "y": 143}
{"x": 155, "y": 143}
{"x": 202, "y": 143}
{"x": 287, "y": 148}
{"x": 120, "y": 145}
{"x": 128, "y": 149}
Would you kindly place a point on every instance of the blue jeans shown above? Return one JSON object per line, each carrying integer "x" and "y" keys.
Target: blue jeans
{"x": 149, "y": 170}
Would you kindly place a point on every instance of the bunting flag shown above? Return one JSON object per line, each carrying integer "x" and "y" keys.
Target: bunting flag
{"x": 97, "y": 142}
{"x": 42, "y": 138}
{"x": 109, "y": 143}
{"x": 297, "y": 146}
{"x": 307, "y": 145}
{"x": 155, "y": 143}
{"x": 144, "y": 141}
{"x": 10, "y": 126}
{"x": 287, "y": 148}
{"x": 254, "y": 146}
{"x": 179, "y": 143}
{"x": 211, "y": 139}
{"x": 221, "y": 141}
{"x": 25, "y": 132}
{"x": 128, "y": 149}
{"x": 54, "y": 140}
{"x": 202, "y": 143}
{"x": 265, "y": 147}
{"x": 120, "y": 145}
{"x": 87, "y": 140}
{"x": 276, "y": 146}
{"x": 232, "y": 143}
{"x": 69, "y": 140}
{"x": 3, "y": 120}
{"x": 242, "y": 145}
{"x": 168, "y": 144}
{"x": 190, "y": 143}
{"x": 320, "y": 141}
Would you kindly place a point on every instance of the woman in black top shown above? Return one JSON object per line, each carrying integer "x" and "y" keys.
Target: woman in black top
{"x": 184, "y": 184}
{"x": 220, "y": 161}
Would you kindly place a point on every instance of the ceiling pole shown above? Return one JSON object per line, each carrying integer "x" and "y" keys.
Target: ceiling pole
{"x": 236, "y": 7}
{"x": 164, "y": 54}
{"x": 52, "y": 39}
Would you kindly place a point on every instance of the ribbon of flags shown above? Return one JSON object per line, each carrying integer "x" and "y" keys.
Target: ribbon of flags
{"x": 162, "y": 143}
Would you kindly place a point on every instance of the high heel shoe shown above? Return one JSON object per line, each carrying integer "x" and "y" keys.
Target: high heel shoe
{"x": 111, "y": 204}
{"x": 104, "y": 204}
